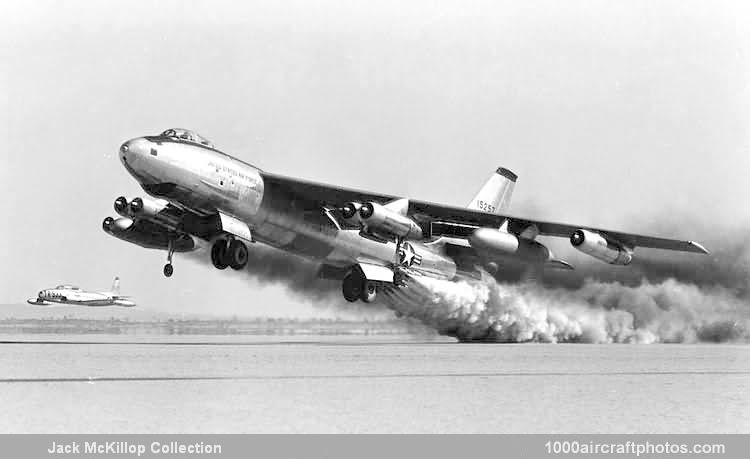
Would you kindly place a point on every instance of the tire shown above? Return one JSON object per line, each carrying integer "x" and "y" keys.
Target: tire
{"x": 369, "y": 292}
{"x": 237, "y": 255}
{"x": 351, "y": 287}
{"x": 218, "y": 254}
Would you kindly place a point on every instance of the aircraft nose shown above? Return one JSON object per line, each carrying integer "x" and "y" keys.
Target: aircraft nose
{"x": 134, "y": 149}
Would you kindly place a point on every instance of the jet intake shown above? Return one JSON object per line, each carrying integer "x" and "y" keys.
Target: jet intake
{"x": 350, "y": 212}
{"x": 149, "y": 209}
{"x": 381, "y": 220}
{"x": 121, "y": 206}
{"x": 492, "y": 243}
{"x": 597, "y": 246}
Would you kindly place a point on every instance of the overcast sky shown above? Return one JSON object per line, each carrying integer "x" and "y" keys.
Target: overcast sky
{"x": 618, "y": 114}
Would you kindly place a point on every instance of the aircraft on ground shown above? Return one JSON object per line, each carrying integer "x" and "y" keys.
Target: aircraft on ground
{"x": 370, "y": 241}
{"x": 69, "y": 294}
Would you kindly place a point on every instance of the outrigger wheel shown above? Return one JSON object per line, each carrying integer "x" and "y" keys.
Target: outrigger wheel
{"x": 369, "y": 292}
{"x": 168, "y": 268}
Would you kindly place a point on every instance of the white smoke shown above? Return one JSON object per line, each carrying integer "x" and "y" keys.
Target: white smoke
{"x": 597, "y": 312}
{"x": 656, "y": 299}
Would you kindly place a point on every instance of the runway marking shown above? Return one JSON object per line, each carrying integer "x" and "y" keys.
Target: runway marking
{"x": 95, "y": 379}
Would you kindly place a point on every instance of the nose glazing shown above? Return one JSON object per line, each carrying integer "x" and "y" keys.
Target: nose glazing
{"x": 125, "y": 152}
{"x": 133, "y": 149}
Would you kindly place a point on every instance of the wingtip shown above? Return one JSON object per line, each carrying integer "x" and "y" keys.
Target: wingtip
{"x": 700, "y": 248}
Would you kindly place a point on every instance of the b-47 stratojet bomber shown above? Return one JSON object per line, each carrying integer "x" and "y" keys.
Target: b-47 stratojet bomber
{"x": 70, "y": 294}
{"x": 198, "y": 195}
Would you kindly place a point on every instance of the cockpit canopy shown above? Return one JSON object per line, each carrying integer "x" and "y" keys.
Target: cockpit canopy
{"x": 67, "y": 287}
{"x": 187, "y": 135}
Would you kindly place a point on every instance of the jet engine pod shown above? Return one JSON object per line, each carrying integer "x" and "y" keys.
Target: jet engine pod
{"x": 147, "y": 207}
{"x": 121, "y": 206}
{"x": 118, "y": 225}
{"x": 494, "y": 243}
{"x": 136, "y": 206}
{"x": 382, "y": 220}
{"x": 107, "y": 224}
{"x": 595, "y": 245}
{"x": 367, "y": 210}
{"x": 350, "y": 211}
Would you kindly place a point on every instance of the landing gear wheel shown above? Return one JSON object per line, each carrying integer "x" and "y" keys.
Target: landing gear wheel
{"x": 352, "y": 287}
{"x": 369, "y": 292}
{"x": 238, "y": 255}
{"x": 168, "y": 269}
{"x": 219, "y": 254}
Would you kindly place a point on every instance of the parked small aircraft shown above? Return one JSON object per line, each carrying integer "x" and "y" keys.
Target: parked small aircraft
{"x": 69, "y": 294}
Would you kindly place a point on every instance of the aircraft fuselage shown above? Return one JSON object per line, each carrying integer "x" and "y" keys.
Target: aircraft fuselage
{"x": 75, "y": 296}
{"x": 203, "y": 179}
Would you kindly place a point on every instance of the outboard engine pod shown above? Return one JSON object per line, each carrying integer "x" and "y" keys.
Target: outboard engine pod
{"x": 601, "y": 248}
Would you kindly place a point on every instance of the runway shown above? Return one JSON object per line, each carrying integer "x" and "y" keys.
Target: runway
{"x": 315, "y": 384}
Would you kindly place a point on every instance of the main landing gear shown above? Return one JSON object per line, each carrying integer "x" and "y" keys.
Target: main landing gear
{"x": 357, "y": 287}
{"x": 228, "y": 252}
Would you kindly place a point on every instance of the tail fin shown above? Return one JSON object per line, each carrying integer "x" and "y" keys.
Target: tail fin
{"x": 115, "y": 290}
{"x": 494, "y": 197}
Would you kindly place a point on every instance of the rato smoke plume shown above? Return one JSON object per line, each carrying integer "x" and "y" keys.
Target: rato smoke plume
{"x": 597, "y": 312}
{"x": 660, "y": 297}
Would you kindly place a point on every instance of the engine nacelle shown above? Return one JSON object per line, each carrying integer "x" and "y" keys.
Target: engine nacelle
{"x": 140, "y": 207}
{"x": 149, "y": 209}
{"x": 350, "y": 212}
{"x": 379, "y": 219}
{"x": 121, "y": 206}
{"x": 595, "y": 245}
{"x": 149, "y": 235}
{"x": 496, "y": 243}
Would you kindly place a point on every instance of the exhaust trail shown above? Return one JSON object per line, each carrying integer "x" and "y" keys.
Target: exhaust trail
{"x": 661, "y": 297}
{"x": 269, "y": 266}
{"x": 727, "y": 266}
{"x": 598, "y": 312}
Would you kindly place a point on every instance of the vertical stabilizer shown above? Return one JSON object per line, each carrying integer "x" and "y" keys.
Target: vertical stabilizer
{"x": 115, "y": 286}
{"x": 494, "y": 197}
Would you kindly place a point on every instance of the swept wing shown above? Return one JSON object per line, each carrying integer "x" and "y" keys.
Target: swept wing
{"x": 427, "y": 213}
